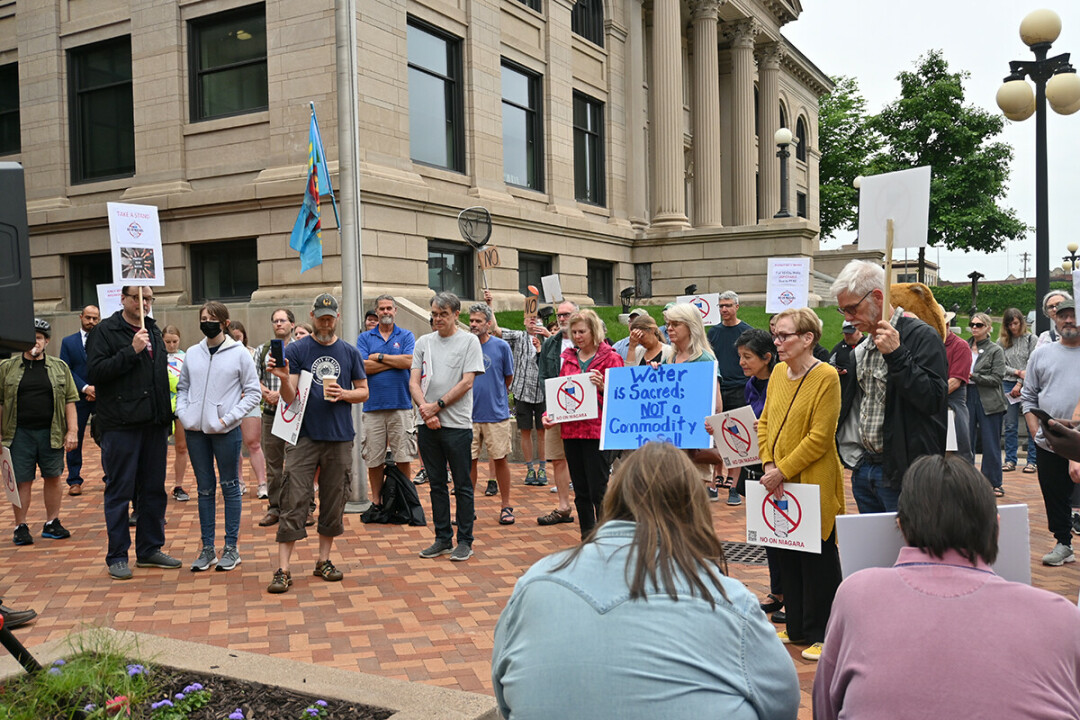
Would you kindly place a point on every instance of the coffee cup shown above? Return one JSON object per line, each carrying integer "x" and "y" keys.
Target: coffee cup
{"x": 329, "y": 381}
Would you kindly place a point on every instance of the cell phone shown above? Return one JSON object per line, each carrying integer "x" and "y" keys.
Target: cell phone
{"x": 1043, "y": 416}
{"x": 277, "y": 351}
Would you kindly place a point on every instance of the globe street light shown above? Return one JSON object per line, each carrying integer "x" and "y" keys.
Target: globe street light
{"x": 1055, "y": 80}
{"x": 1070, "y": 259}
{"x": 783, "y": 137}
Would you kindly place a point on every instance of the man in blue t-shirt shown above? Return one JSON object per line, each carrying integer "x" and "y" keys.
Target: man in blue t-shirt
{"x": 325, "y": 442}
{"x": 722, "y": 338}
{"x": 491, "y": 407}
{"x": 388, "y": 415}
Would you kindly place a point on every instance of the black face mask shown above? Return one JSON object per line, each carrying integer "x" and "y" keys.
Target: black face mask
{"x": 210, "y": 328}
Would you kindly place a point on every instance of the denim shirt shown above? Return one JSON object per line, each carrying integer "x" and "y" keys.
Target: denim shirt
{"x": 571, "y": 643}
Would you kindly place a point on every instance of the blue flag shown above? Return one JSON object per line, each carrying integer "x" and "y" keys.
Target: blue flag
{"x": 306, "y": 236}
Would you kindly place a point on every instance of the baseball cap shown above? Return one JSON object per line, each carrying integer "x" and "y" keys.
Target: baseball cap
{"x": 371, "y": 313}
{"x": 1067, "y": 305}
{"x": 325, "y": 304}
{"x": 638, "y": 311}
{"x": 848, "y": 328}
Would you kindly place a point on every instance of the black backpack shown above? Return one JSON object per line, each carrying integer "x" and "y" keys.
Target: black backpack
{"x": 400, "y": 503}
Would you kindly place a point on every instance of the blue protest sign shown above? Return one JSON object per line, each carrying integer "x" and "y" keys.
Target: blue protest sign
{"x": 667, "y": 404}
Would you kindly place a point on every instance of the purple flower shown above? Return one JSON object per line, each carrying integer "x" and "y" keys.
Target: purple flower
{"x": 180, "y": 696}
{"x": 193, "y": 687}
{"x": 236, "y": 714}
{"x": 59, "y": 662}
{"x": 90, "y": 707}
{"x": 161, "y": 704}
{"x": 134, "y": 670}
{"x": 54, "y": 671}
{"x": 320, "y": 703}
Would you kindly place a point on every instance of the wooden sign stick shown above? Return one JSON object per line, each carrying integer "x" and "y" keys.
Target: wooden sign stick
{"x": 142, "y": 316}
{"x": 888, "y": 268}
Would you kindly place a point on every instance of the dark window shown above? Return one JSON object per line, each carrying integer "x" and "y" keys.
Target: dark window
{"x": 86, "y": 273}
{"x": 907, "y": 277}
{"x": 436, "y": 114}
{"x": 9, "y": 109}
{"x": 588, "y": 150}
{"x": 800, "y": 204}
{"x": 757, "y": 113}
{"x": 228, "y": 63}
{"x": 102, "y": 117}
{"x": 226, "y": 271}
{"x": 531, "y": 268}
{"x": 800, "y": 135}
{"x": 783, "y": 116}
{"x": 600, "y": 282}
{"x": 587, "y": 20}
{"x": 450, "y": 268}
{"x": 523, "y": 129}
{"x": 534, "y": 4}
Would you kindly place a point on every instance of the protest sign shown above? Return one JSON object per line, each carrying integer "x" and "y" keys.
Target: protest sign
{"x": 1076, "y": 282}
{"x": 288, "y": 419}
{"x": 489, "y": 257}
{"x": 950, "y": 433}
{"x": 7, "y": 478}
{"x": 552, "y": 288}
{"x": 735, "y": 437}
{"x": 108, "y": 300}
{"x": 788, "y": 284}
{"x": 708, "y": 305}
{"x": 792, "y": 522}
{"x": 532, "y": 303}
{"x": 136, "y": 244}
{"x": 571, "y": 397}
{"x": 873, "y": 540}
{"x": 667, "y": 404}
{"x": 904, "y": 198}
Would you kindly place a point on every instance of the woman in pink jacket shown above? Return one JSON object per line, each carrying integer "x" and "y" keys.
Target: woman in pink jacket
{"x": 581, "y": 438}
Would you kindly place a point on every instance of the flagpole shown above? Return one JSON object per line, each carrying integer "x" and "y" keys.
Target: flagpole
{"x": 349, "y": 223}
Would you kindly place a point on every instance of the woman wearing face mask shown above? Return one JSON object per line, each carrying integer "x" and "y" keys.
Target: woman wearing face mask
{"x": 986, "y": 400}
{"x": 218, "y": 387}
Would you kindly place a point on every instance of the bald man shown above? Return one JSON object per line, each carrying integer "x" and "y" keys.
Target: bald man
{"x": 73, "y": 352}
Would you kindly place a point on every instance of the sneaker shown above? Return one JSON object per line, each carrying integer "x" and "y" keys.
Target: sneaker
{"x": 733, "y": 497}
{"x": 530, "y": 477}
{"x": 541, "y": 476}
{"x": 263, "y": 493}
{"x": 421, "y": 477}
{"x": 436, "y": 549}
{"x": 782, "y": 634}
{"x": 461, "y": 553}
{"x": 22, "y": 535}
{"x": 180, "y": 495}
{"x": 268, "y": 520}
{"x": 282, "y": 581}
{"x": 207, "y": 557}
{"x": 54, "y": 530}
{"x": 492, "y": 488}
{"x": 813, "y": 652}
{"x": 119, "y": 570}
{"x": 555, "y": 517}
{"x": 1076, "y": 523}
{"x": 230, "y": 558}
{"x": 326, "y": 570}
{"x": 159, "y": 560}
{"x": 1060, "y": 555}
{"x": 714, "y": 494}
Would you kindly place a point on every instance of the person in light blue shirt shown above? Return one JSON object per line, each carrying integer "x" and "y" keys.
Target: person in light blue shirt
{"x": 640, "y": 620}
{"x": 491, "y": 408}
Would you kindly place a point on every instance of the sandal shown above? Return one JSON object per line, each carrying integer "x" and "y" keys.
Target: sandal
{"x": 555, "y": 517}
{"x": 1030, "y": 468}
{"x": 1009, "y": 466}
{"x": 506, "y": 517}
{"x": 772, "y": 605}
{"x": 999, "y": 491}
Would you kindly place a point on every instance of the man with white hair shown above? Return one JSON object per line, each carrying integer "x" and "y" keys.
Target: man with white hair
{"x": 896, "y": 411}
{"x": 1050, "y": 303}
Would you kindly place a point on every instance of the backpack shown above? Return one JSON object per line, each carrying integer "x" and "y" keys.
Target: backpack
{"x": 400, "y": 504}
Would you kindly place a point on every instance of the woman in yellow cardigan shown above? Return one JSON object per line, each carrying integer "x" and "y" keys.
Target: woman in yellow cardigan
{"x": 797, "y": 433}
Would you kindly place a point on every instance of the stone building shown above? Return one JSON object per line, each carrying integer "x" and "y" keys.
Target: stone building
{"x": 617, "y": 143}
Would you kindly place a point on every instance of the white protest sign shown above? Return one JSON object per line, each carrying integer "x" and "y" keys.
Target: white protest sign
{"x": 288, "y": 419}
{"x": 735, "y": 437}
{"x": 1076, "y": 283}
{"x": 708, "y": 305}
{"x": 552, "y": 288}
{"x": 873, "y": 540}
{"x": 904, "y": 198}
{"x": 950, "y": 434}
{"x": 791, "y": 523}
{"x": 108, "y": 296}
{"x": 7, "y": 478}
{"x": 571, "y": 397}
{"x": 136, "y": 244}
{"x": 788, "y": 284}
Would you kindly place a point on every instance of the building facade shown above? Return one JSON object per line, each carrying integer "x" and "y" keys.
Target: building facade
{"x": 618, "y": 143}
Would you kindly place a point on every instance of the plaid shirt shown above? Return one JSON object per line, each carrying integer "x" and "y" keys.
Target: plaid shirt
{"x": 267, "y": 378}
{"x": 526, "y": 385}
{"x": 872, "y": 374}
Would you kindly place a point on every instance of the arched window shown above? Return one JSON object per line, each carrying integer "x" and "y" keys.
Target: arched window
{"x": 587, "y": 20}
{"x": 800, "y": 135}
{"x": 783, "y": 116}
{"x": 757, "y": 113}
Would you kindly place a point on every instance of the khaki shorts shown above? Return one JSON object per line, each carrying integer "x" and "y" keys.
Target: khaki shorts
{"x": 384, "y": 428}
{"x": 553, "y": 447}
{"x": 495, "y": 435}
{"x": 333, "y": 460}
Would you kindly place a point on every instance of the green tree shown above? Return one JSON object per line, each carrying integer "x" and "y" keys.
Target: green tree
{"x": 930, "y": 125}
{"x": 847, "y": 144}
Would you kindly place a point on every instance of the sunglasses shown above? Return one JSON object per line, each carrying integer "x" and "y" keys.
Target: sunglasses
{"x": 977, "y": 325}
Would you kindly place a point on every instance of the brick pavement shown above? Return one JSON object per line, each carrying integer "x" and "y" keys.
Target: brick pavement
{"x": 395, "y": 614}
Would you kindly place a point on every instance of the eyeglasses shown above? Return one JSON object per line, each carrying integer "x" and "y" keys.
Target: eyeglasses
{"x": 976, "y": 325}
{"x": 563, "y": 315}
{"x": 784, "y": 337}
{"x": 146, "y": 298}
{"x": 1052, "y": 308}
{"x": 850, "y": 309}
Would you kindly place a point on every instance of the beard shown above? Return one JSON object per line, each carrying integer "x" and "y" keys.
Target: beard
{"x": 386, "y": 320}
{"x": 324, "y": 337}
{"x": 1070, "y": 332}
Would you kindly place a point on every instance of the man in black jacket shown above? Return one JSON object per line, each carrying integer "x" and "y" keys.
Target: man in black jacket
{"x": 895, "y": 410}
{"x": 128, "y": 368}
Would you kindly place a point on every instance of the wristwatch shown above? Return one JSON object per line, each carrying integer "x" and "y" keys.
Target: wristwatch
{"x": 380, "y": 357}
{"x": 441, "y": 403}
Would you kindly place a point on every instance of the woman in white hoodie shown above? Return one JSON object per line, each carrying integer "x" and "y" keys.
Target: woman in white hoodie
{"x": 218, "y": 387}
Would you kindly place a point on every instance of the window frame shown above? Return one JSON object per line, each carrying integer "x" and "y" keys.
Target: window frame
{"x": 223, "y": 250}
{"x": 195, "y": 73}
{"x": 456, "y": 98}
{"x": 546, "y": 265}
{"x": 598, "y": 153}
{"x": 801, "y": 136}
{"x": 468, "y": 265}
{"x": 801, "y": 204}
{"x": 534, "y": 123}
{"x": 79, "y": 266}
{"x": 11, "y": 114}
{"x": 76, "y": 104}
{"x": 531, "y": 4}
{"x": 587, "y": 21}
{"x": 606, "y": 296}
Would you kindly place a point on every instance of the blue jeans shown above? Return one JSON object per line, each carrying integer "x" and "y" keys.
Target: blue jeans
{"x": 1012, "y": 422}
{"x": 438, "y": 448}
{"x": 203, "y": 449}
{"x": 871, "y": 493}
{"x": 988, "y": 429}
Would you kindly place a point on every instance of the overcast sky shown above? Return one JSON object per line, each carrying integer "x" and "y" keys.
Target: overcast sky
{"x": 873, "y": 41}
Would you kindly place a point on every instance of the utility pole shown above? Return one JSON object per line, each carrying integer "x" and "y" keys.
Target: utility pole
{"x": 1025, "y": 257}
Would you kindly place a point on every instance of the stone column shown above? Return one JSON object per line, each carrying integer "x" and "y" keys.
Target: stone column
{"x": 668, "y": 201}
{"x": 769, "y": 58}
{"x": 706, "y": 114}
{"x": 743, "y": 203}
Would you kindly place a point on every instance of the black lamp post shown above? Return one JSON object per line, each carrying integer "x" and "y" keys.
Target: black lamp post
{"x": 975, "y": 276}
{"x": 783, "y": 138}
{"x": 1055, "y": 80}
{"x": 1069, "y": 261}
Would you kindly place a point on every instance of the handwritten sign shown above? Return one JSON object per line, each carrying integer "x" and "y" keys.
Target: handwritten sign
{"x": 667, "y": 404}
{"x": 571, "y": 397}
{"x": 7, "y": 478}
{"x": 788, "y": 284}
{"x": 532, "y": 304}
{"x": 735, "y": 437}
{"x": 552, "y": 288}
{"x": 792, "y": 522}
{"x": 136, "y": 244}
{"x": 489, "y": 257}
{"x": 288, "y": 419}
{"x": 708, "y": 305}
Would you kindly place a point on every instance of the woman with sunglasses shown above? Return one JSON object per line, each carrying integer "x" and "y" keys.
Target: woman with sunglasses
{"x": 986, "y": 400}
{"x": 1018, "y": 343}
